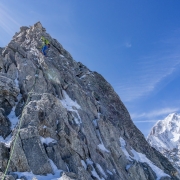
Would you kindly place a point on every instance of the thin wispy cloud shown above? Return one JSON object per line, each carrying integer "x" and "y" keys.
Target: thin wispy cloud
{"x": 147, "y": 75}
{"x": 146, "y": 121}
{"x": 155, "y": 113}
{"x": 7, "y": 20}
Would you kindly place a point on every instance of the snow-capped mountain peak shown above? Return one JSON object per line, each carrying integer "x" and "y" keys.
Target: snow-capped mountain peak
{"x": 165, "y": 137}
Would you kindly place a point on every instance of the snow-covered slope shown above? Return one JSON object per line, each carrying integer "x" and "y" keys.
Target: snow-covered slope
{"x": 165, "y": 137}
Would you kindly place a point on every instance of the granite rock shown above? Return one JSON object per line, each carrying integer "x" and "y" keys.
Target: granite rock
{"x": 68, "y": 117}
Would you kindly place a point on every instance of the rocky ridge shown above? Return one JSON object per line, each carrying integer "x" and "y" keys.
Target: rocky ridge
{"x": 60, "y": 120}
{"x": 165, "y": 137}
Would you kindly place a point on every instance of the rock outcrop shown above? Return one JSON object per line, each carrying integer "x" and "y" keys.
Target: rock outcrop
{"x": 59, "y": 119}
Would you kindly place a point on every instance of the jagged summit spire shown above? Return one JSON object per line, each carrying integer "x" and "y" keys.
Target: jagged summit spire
{"x": 36, "y": 25}
{"x": 39, "y": 26}
{"x": 28, "y": 39}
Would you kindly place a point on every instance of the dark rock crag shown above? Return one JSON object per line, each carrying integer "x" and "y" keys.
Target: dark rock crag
{"x": 67, "y": 116}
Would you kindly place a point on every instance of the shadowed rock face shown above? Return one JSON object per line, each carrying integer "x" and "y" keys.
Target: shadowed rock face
{"x": 69, "y": 117}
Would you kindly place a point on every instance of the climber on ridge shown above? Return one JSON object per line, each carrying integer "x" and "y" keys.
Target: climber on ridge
{"x": 45, "y": 45}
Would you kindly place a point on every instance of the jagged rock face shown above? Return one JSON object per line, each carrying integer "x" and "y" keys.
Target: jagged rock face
{"x": 165, "y": 137}
{"x": 70, "y": 122}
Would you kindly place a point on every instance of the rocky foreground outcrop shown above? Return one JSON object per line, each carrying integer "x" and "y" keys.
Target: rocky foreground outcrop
{"x": 60, "y": 120}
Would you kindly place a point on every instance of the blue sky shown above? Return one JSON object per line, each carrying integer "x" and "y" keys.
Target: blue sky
{"x": 133, "y": 44}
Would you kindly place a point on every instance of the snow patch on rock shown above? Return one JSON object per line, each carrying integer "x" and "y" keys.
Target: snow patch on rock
{"x": 7, "y": 141}
{"x": 94, "y": 173}
{"x": 70, "y": 105}
{"x": 102, "y": 147}
{"x": 47, "y": 140}
{"x": 139, "y": 157}
{"x": 13, "y": 118}
{"x": 30, "y": 175}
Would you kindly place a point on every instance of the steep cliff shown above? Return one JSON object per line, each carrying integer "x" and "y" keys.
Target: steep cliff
{"x": 60, "y": 120}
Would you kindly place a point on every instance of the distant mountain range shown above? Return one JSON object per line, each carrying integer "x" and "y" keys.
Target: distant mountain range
{"x": 165, "y": 137}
